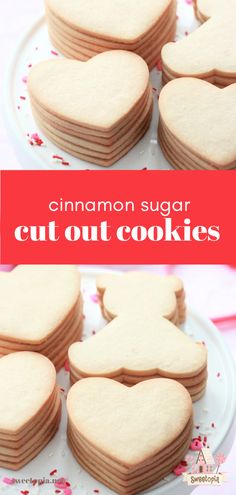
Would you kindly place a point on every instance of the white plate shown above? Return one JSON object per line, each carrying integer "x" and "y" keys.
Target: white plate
{"x": 34, "y": 47}
{"x": 218, "y": 407}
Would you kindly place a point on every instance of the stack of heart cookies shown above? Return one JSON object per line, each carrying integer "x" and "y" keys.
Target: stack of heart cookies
{"x": 132, "y": 437}
{"x": 194, "y": 130}
{"x": 30, "y": 407}
{"x": 162, "y": 294}
{"x": 96, "y": 111}
{"x": 40, "y": 310}
{"x": 82, "y": 30}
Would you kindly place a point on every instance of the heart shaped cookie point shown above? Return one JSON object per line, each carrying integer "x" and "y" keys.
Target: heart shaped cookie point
{"x": 198, "y": 124}
{"x": 29, "y": 408}
{"x": 131, "y": 437}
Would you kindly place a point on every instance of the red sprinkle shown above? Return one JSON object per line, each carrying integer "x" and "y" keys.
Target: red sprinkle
{"x": 96, "y": 490}
{"x": 22, "y": 97}
{"x": 65, "y": 163}
{"x": 159, "y": 65}
{"x": 53, "y": 52}
{"x": 218, "y": 375}
{"x": 57, "y": 157}
{"x": 213, "y": 425}
{"x": 54, "y": 471}
{"x": 67, "y": 365}
{"x": 25, "y": 492}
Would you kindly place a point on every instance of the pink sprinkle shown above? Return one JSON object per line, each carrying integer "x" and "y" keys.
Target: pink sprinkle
{"x": 35, "y": 139}
{"x": 54, "y": 53}
{"x": 196, "y": 445}
{"x": 218, "y": 375}
{"x": 22, "y": 98}
{"x": 67, "y": 366}
{"x": 18, "y": 108}
{"x": 67, "y": 491}
{"x": 34, "y": 136}
{"x": 61, "y": 484}
{"x": 94, "y": 298}
{"x": 189, "y": 2}
{"x": 179, "y": 470}
{"x": 8, "y": 481}
{"x": 29, "y": 66}
{"x": 24, "y": 79}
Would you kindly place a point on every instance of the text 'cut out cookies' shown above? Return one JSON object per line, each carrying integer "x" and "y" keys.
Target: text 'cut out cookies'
{"x": 142, "y": 341}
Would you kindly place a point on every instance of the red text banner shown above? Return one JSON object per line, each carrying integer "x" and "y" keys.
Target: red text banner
{"x": 118, "y": 217}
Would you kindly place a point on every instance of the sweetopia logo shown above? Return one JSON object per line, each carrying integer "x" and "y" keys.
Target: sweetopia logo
{"x": 204, "y": 469}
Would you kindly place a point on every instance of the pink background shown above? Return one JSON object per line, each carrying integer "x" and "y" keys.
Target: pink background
{"x": 210, "y": 289}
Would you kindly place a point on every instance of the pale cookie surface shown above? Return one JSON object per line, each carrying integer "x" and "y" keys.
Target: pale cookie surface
{"x": 27, "y": 380}
{"x": 92, "y": 93}
{"x": 116, "y": 19}
{"x": 202, "y": 117}
{"x": 140, "y": 344}
{"x": 136, "y": 291}
{"x": 35, "y": 299}
{"x": 208, "y": 51}
{"x": 129, "y": 424}
{"x": 209, "y": 8}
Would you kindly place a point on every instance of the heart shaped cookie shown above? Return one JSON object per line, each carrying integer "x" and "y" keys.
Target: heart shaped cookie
{"x": 139, "y": 343}
{"x": 208, "y": 53}
{"x": 92, "y": 94}
{"x": 131, "y": 437}
{"x": 97, "y": 113}
{"x": 110, "y": 18}
{"x": 40, "y": 310}
{"x": 81, "y": 30}
{"x": 198, "y": 124}
{"x": 29, "y": 409}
